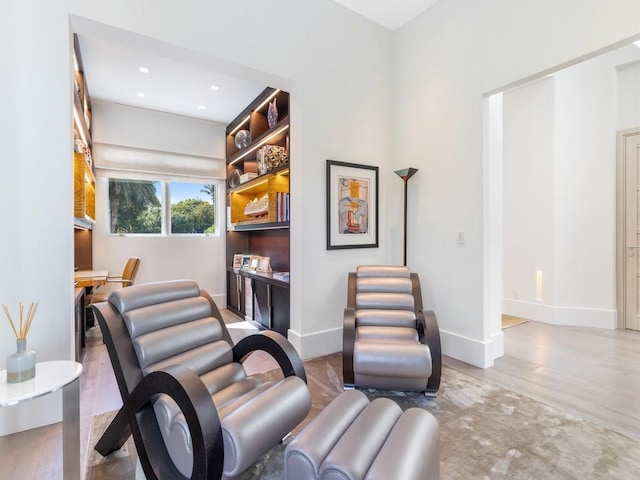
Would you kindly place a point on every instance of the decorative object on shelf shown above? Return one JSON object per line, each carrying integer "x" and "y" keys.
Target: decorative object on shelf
{"x": 254, "y": 262}
{"x": 243, "y": 139}
{"x": 405, "y": 174}
{"x": 284, "y": 276}
{"x": 234, "y": 178}
{"x": 257, "y": 206}
{"x": 262, "y": 165}
{"x": 245, "y": 177}
{"x": 352, "y": 205}
{"x": 237, "y": 260}
{"x": 21, "y": 366}
{"x": 272, "y": 114}
{"x": 273, "y": 156}
{"x": 264, "y": 265}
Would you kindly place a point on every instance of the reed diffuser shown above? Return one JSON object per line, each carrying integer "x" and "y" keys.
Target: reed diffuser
{"x": 21, "y": 366}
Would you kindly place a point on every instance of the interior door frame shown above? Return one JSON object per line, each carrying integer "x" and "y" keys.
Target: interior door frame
{"x": 621, "y": 249}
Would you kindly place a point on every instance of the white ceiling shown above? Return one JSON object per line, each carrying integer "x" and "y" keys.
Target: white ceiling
{"x": 113, "y": 74}
{"x": 112, "y": 71}
{"x": 392, "y": 14}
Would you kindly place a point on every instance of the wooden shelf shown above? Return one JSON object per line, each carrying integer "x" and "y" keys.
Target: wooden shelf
{"x": 272, "y": 187}
{"x": 268, "y": 234}
{"x": 84, "y": 182}
{"x": 84, "y": 190}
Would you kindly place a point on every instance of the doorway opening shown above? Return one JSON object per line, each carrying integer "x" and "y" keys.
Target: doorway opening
{"x": 550, "y": 178}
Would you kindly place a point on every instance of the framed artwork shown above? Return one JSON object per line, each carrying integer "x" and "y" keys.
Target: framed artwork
{"x": 352, "y": 205}
{"x": 237, "y": 261}
{"x": 254, "y": 261}
{"x": 246, "y": 260}
{"x": 264, "y": 264}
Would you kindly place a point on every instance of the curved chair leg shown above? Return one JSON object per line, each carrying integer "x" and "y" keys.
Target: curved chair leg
{"x": 187, "y": 390}
{"x": 430, "y": 335}
{"x": 348, "y": 345}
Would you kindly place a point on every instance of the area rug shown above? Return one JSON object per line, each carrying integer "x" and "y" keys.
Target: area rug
{"x": 486, "y": 432}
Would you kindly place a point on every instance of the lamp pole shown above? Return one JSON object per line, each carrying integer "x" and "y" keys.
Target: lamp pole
{"x": 405, "y": 174}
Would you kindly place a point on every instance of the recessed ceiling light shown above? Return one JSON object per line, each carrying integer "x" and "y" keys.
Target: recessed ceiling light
{"x": 215, "y": 87}
{"x": 141, "y": 95}
{"x": 202, "y": 107}
{"x": 144, "y": 69}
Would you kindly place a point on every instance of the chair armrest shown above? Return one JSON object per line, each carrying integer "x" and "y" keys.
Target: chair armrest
{"x": 429, "y": 334}
{"x": 119, "y": 280}
{"x": 137, "y": 416}
{"x": 275, "y": 345}
{"x": 348, "y": 345}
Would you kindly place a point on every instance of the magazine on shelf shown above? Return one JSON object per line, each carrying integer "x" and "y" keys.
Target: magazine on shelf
{"x": 284, "y": 276}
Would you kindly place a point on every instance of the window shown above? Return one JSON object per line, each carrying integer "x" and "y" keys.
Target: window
{"x": 192, "y": 208}
{"x": 137, "y": 207}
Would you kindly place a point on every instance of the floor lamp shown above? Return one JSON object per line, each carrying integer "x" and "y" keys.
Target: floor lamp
{"x": 405, "y": 174}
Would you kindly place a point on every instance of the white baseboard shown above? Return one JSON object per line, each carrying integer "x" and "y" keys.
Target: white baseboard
{"x": 569, "y": 316}
{"x": 469, "y": 350}
{"x": 221, "y": 300}
{"x": 316, "y": 344}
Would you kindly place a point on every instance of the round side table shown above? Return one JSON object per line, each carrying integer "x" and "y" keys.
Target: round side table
{"x": 51, "y": 377}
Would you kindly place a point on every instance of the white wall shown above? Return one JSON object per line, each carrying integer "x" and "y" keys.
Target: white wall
{"x": 334, "y": 63}
{"x": 528, "y": 192}
{"x": 579, "y": 288}
{"x": 628, "y": 100}
{"x": 445, "y": 62}
{"x": 172, "y": 257}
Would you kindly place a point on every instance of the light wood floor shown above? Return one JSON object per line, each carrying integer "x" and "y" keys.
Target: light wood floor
{"x": 592, "y": 373}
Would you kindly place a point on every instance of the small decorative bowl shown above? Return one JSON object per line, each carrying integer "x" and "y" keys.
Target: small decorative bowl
{"x": 243, "y": 139}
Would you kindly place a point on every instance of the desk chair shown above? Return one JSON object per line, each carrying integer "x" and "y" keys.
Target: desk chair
{"x": 101, "y": 293}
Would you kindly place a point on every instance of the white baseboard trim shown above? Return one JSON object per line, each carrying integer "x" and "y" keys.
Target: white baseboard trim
{"x": 316, "y": 344}
{"x": 469, "y": 350}
{"x": 568, "y": 316}
{"x": 221, "y": 300}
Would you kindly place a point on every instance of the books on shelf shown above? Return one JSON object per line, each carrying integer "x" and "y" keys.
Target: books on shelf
{"x": 282, "y": 207}
{"x": 284, "y": 276}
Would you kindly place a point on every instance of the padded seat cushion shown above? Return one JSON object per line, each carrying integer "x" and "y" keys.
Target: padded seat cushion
{"x": 386, "y": 334}
{"x": 392, "y": 359}
{"x": 250, "y": 422}
{"x": 354, "y": 439}
{"x": 386, "y": 318}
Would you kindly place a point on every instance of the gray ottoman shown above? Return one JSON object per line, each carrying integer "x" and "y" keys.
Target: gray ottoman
{"x": 354, "y": 439}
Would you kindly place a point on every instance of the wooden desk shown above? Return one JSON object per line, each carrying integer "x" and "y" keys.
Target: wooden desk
{"x": 90, "y": 278}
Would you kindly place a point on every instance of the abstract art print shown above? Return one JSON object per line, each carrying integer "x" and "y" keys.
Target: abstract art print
{"x": 352, "y": 205}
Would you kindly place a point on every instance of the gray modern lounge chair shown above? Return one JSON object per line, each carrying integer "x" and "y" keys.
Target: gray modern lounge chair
{"x": 191, "y": 408}
{"x": 389, "y": 342}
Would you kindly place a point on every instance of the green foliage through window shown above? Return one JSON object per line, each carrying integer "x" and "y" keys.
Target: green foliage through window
{"x": 136, "y": 207}
{"x": 192, "y": 208}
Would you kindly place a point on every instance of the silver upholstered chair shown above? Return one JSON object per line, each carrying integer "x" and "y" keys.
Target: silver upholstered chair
{"x": 188, "y": 402}
{"x": 389, "y": 342}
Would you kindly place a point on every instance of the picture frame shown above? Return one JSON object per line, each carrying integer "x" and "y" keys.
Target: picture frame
{"x": 237, "y": 260}
{"x": 246, "y": 260}
{"x": 352, "y": 205}
{"x": 254, "y": 261}
{"x": 264, "y": 264}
